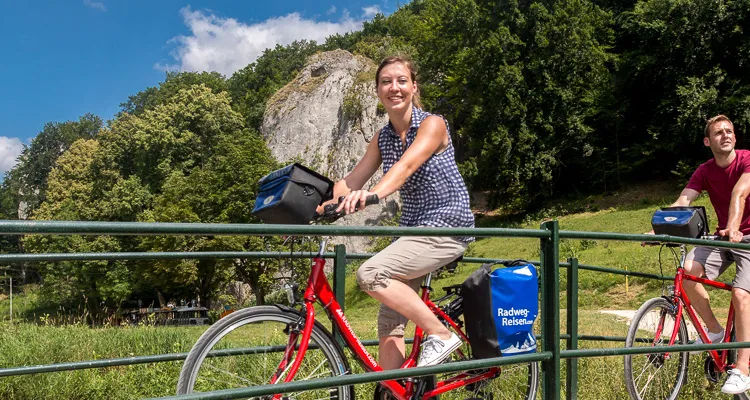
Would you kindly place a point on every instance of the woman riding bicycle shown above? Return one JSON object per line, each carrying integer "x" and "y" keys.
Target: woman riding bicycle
{"x": 416, "y": 152}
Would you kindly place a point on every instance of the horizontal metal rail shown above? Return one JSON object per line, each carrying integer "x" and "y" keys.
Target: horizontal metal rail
{"x": 623, "y": 351}
{"x": 177, "y": 255}
{"x": 197, "y": 229}
{"x": 114, "y": 362}
{"x": 651, "y": 238}
{"x": 135, "y": 360}
{"x": 367, "y": 377}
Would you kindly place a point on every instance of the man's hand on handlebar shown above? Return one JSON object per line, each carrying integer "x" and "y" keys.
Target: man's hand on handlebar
{"x": 734, "y": 235}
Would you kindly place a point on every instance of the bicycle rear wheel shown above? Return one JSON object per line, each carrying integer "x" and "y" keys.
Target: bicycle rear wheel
{"x": 658, "y": 375}
{"x": 246, "y": 348}
{"x": 513, "y": 382}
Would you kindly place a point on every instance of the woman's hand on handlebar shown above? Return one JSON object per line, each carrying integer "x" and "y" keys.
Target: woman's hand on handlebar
{"x": 333, "y": 211}
{"x": 357, "y": 200}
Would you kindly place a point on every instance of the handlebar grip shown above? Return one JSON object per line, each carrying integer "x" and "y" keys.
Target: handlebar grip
{"x": 372, "y": 200}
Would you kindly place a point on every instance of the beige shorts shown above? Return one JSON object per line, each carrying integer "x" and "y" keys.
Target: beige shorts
{"x": 408, "y": 259}
{"x": 715, "y": 261}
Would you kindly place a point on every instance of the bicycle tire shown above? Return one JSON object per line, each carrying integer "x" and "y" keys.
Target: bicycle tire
{"x": 429, "y": 382}
{"x": 665, "y": 375}
{"x": 258, "y": 335}
{"x": 516, "y": 381}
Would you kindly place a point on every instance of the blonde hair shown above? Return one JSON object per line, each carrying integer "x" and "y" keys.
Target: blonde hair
{"x": 714, "y": 120}
{"x": 412, "y": 72}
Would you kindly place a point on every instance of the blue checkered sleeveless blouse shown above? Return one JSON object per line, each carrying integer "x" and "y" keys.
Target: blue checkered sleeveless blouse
{"x": 435, "y": 195}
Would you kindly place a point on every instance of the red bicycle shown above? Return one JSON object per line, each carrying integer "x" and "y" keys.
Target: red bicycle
{"x": 279, "y": 343}
{"x": 660, "y": 322}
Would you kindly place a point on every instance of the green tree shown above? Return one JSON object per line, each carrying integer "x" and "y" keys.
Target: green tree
{"x": 187, "y": 159}
{"x": 522, "y": 84}
{"x": 220, "y": 191}
{"x": 682, "y": 62}
{"x": 173, "y": 83}
{"x": 27, "y": 182}
{"x": 70, "y": 197}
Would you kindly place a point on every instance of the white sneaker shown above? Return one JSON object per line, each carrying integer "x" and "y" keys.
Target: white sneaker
{"x": 714, "y": 337}
{"x": 435, "y": 350}
{"x": 736, "y": 383}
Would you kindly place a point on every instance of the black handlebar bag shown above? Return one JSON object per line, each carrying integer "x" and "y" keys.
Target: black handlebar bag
{"x": 689, "y": 222}
{"x": 291, "y": 194}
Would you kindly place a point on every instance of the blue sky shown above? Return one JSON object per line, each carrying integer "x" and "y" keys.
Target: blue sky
{"x": 62, "y": 59}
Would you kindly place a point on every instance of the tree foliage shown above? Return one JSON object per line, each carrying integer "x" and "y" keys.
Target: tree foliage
{"x": 188, "y": 159}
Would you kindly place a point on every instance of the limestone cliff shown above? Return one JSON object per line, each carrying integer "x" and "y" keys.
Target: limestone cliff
{"x": 325, "y": 118}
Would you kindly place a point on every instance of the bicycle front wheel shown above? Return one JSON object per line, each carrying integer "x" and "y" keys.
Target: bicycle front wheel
{"x": 249, "y": 348}
{"x": 658, "y": 375}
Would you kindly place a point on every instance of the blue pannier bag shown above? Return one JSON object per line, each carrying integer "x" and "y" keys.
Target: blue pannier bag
{"x": 690, "y": 222}
{"x": 500, "y": 307}
{"x": 291, "y": 194}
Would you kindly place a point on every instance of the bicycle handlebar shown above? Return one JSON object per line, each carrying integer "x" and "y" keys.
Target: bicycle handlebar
{"x": 704, "y": 237}
{"x": 329, "y": 210}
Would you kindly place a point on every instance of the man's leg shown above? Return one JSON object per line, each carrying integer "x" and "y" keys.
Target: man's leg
{"x": 699, "y": 297}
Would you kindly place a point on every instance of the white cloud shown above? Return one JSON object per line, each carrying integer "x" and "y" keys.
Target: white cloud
{"x": 10, "y": 149}
{"x": 370, "y": 11}
{"x": 331, "y": 10}
{"x": 226, "y": 45}
{"x": 95, "y": 5}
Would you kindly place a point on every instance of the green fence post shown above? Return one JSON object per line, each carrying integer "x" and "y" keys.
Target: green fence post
{"x": 339, "y": 283}
{"x": 572, "y": 322}
{"x": 551, "y": 310}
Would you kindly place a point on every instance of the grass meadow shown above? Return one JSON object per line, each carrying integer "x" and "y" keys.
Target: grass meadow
{"x": 43, "y": 342}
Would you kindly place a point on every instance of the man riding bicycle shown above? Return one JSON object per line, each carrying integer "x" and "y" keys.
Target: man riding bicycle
{"x": 726, "y": 178}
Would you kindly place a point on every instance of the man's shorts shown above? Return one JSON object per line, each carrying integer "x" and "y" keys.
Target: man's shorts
{"x": 715, "y": 261}
{"x": 408, "y": 260}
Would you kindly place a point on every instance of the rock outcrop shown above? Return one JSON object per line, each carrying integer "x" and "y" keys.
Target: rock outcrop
{"x": 325, "y": 118}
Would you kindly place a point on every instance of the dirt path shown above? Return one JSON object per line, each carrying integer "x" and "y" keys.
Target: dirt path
{"x": 627, "y": 316}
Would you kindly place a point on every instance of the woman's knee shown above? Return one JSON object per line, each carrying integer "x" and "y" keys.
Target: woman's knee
{"x": 371, "y": 277}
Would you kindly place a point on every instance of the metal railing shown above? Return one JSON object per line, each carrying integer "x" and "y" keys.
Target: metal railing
{"x": 548, "y": 234}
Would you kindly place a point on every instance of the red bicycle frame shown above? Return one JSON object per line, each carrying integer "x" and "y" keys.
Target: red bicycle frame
{"x": 683, "y": 303}
{"x": 318, "y": 289}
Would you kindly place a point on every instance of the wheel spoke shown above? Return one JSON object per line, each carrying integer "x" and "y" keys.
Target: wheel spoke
{"x": 655, "y": 376}
{"x": 261, "y": 328}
